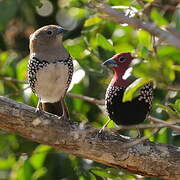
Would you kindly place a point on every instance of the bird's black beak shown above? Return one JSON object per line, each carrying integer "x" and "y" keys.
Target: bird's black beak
{"x": 110, "y": 62}
{"x": 61, "y": 30}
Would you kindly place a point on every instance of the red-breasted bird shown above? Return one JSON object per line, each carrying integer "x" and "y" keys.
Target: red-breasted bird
{"x": 50, "y": 69}
{"x": 131, "y": 112}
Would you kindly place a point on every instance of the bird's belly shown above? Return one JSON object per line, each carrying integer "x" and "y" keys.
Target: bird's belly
{"x": 51, "y": 84}
{"x": 128, "y": 113}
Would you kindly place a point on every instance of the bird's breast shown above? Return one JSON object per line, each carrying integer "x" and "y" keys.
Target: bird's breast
{"x": 52, "y": 82}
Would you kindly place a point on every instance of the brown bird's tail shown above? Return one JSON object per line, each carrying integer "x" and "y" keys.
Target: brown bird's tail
{"x": 58, "y": 108}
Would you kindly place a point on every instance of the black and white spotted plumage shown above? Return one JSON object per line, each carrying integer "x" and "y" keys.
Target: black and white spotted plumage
{"x": 50, "y": 69}
{"x": 131, "y": 112}
{"x": 33, "y": 66}
{"x": 128, "y": 113}
{"x": 36, "y": 64}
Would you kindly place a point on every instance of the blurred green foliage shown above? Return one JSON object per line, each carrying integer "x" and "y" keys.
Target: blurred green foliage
{"x": 91, "y": 40}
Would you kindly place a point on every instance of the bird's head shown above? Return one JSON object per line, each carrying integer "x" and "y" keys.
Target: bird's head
{"x": 45, "y": 37}
{"x": 48, "y": 33}
{"x": 119, "y": 62}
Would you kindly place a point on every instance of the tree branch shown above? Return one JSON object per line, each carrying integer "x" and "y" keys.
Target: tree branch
{"x": 102, "y": 103}
{"x": 139, "y": 24}
{"x": 87, "y": 98}
{"x": 145, "y": 158}
{"x": 159, "y": 123}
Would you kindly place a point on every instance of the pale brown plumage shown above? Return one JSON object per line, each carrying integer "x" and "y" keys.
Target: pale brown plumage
{"x": 50, "y": 69}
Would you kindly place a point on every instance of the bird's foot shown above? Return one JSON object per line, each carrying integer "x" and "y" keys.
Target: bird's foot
{"x": 61, "y": 117}
{"x": 38, "y": 111}
{"x": 102, "y": 129}
{"x": 38, "y": 107}
{"x": 139, "y": 135}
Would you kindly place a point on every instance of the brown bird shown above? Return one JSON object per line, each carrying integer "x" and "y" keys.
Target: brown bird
{"x": 50, "y": 69}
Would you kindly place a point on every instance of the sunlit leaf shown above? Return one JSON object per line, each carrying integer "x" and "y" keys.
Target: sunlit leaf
{"x": 24, "y": 172}
{"x": 39, "y": 173}
{"x": 177, "y": 104}
{"x": 82, "y": 178}
{"x": 144, "y": 39}
{"x": 92, "y": 176}
{"x": 176, "y": 68}
{"x": 133, "y": 88}
{"x": 22, "y": 69}
{"x": 77, "y": 12}
{"x": 103, "y": 42}
{"x": 6, "y": 163}
{"x": 177, "y": 18}
{"x": 39, "y": 155}
{"x": 102, "y": 172}
{"x": 168, "y": 109}
{"x": 162, "y": 135}
{"x": 158, "y": 18}
{"x": 92, "y": 21}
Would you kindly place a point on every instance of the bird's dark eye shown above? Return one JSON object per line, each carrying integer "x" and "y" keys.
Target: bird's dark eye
{"x": 49, "y": 32}
{"x": 122, "y": 59}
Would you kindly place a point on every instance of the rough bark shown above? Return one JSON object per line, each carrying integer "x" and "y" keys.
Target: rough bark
{"x": 146, "y": 158}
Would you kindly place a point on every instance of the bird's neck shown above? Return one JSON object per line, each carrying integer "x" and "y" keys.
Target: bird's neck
{"x": 118, "y": 80}
{"x": 49, "y": 53}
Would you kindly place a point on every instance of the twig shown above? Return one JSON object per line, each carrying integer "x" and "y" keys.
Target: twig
{"x": 174, "y": 31}
{"x": 154, "y": 44}
{"x": 173, "y": 88}
{"x": 138, "y": 23}
{"x": 153, "y": 119}
{"x": 160, "y": 124}
{"x": 17, "y": 92}
{"x": 137, "y": 141}
{"x": 12, "y": 80}
{"x": 147, "y": 126}
{"x": 86, "y": 98}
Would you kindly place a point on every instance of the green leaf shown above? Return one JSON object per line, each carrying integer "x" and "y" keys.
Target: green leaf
{"x": 168, "y": 109}
{"x": 82, "y": 178}
{"x": 25, "y": 172}
{"x": 77, "y": 12}
{"x": 102, "y": 172}
{"x": 176, "y": 67}
{"x": 177, "y": 105}
{"x": 177, "y": 18}
{"x": 8, "y": 10}
{"x": 76, "y": 51}
{"x": 6, "y": 163}
{"x": 92, "y": 176}
{"x": 92, "y": 21}
{"x": 132, "y": 88}
{"x": 37, "y": 159}
{"x": 157, "y": 17}
{"x": 39, "y": 173}
{"x": 103, "y": 42}
{"x": 144, "y": 52}
{"x": 3, "y": 57}
{"x": 37, "y": 3}
{"x": 144, "y": 39}
{"x": 22, "y": 69}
